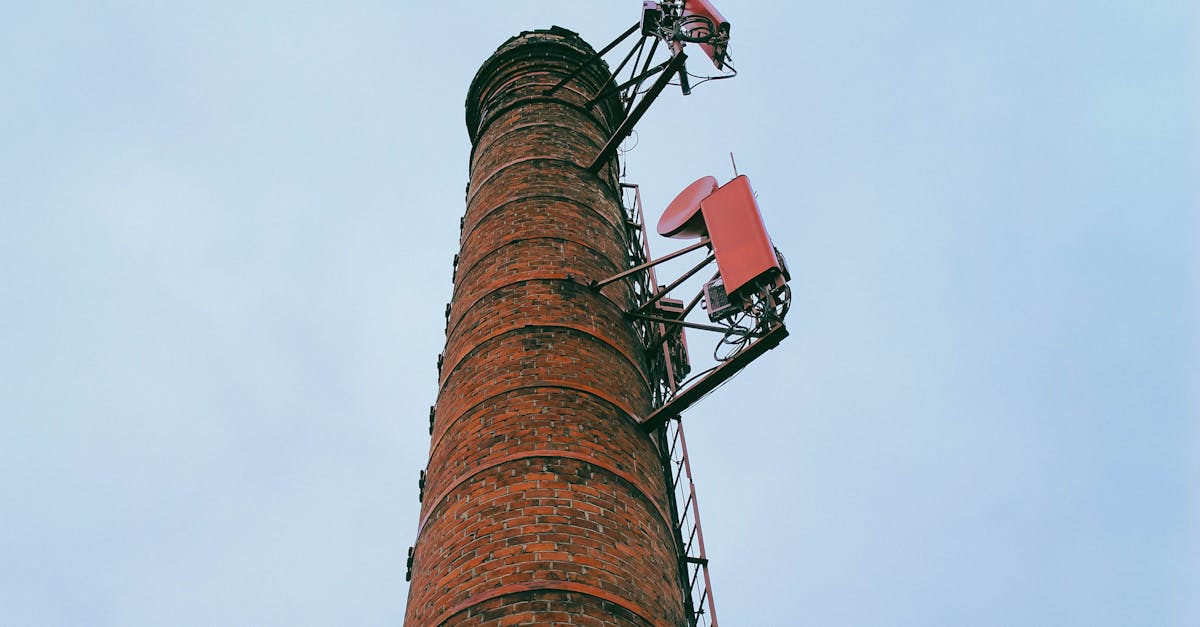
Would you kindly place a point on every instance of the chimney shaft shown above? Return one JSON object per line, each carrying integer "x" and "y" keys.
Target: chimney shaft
{"x": 544, "y": 502}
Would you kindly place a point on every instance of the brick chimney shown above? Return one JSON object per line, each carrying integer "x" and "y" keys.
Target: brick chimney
{"x": 543, "y": 502}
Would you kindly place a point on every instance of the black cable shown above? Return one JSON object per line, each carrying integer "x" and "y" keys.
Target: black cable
{"x": 700, "y": 24}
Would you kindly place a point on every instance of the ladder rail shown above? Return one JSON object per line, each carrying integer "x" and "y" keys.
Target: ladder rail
{"x": 693, "y": 557}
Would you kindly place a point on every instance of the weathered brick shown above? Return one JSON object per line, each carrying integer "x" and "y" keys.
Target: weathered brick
{"x": 544, "y": 503}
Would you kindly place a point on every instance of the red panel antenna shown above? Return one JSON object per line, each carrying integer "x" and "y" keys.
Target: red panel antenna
{"x": 700, "y": 16}
{"x": 739, "y": 238}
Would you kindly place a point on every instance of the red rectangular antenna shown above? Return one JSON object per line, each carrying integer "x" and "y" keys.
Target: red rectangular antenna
{"x": 694, "y": 9}
{"x": 740, "y": 242}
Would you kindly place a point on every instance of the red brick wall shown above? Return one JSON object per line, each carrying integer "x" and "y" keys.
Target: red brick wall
{"x": 544, "y": 502}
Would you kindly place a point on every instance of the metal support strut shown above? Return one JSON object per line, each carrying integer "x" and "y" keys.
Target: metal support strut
{"x": 592, "y": 59}
{"x": 673, "y": 67}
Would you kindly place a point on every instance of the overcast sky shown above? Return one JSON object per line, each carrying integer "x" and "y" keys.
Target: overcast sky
{"x": 226, "y": 231}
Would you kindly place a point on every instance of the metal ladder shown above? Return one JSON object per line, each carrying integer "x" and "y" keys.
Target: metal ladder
{"x": 672, "y": 444}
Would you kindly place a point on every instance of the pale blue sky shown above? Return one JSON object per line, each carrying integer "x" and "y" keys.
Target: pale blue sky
{"x": 225, "y": 241}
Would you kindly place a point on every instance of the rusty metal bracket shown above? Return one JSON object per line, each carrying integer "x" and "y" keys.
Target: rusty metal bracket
{"x": 693, "y": 393}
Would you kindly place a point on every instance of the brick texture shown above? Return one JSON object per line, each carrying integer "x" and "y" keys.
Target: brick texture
{"x": 543, "y": 502}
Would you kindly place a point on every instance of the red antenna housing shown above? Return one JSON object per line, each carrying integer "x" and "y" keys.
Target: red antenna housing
{"x": 720, "y": 29}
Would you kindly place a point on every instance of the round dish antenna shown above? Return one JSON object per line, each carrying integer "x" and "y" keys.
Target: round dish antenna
{"x": 682, "y": 219}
